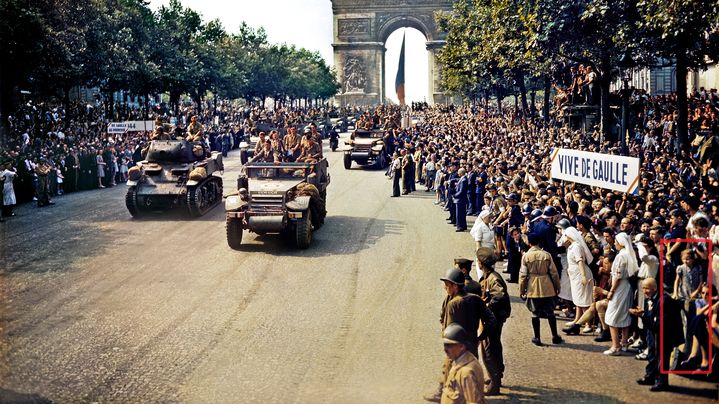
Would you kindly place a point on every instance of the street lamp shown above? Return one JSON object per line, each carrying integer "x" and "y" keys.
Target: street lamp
{"x": 626, "y": 64}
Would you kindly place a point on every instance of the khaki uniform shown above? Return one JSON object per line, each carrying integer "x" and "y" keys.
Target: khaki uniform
{"x": 194, "y": 132}
{"x": 465, "y": 381}
{"x": 538, "y": 276}
{"x": 472, "y": 286}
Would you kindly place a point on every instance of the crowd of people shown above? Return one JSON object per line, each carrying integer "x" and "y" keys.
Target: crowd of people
{"x": 585, "y": 253}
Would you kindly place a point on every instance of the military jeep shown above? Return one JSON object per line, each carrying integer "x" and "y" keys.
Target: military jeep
{"x": 365, "y": 147}
{"x": 285, "y": 198}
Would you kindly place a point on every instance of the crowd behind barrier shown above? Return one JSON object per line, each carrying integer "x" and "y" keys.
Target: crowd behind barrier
{"x": 604, "y": 244}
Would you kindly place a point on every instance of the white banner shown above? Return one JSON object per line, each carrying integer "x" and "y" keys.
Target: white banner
{"x": 618, "y": 173}
{"x": 130, "y": 126}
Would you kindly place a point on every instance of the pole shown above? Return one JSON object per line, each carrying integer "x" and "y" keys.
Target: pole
{"x": 625, "y": 119}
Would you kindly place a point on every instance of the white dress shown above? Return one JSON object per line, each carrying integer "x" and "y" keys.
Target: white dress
{"x": 8, "y": 192}
{"x": 483, "y": 234}
{"x": 618, "y": 308}
{"x": 565, "y": 285}
{"x": 581, "y": 294}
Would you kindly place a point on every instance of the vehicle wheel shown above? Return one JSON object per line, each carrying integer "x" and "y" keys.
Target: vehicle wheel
{"x": 318, "y": 209}
{"x": 131, "y": 202}
{"x": 303, "y": 230}
{"x": 243, "y": 157}
{"x": 348, "y": 161}
{"x": 203, "y": 197}
{"x": 233, "y": 227}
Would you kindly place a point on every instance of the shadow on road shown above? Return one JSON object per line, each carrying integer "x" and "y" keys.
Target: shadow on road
{"x": 8, "y": 397}
{"x": 217, "y": 213}
{"x": 517, "y": 394}
{"x": 334, "y": 238}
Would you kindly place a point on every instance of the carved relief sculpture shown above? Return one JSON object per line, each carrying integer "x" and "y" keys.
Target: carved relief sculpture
{"x": 354, "y": 76}
{"x": 352, "y": 27}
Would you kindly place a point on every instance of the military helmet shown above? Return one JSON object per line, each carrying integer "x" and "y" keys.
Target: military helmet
{"x": 536, "y": 213}
{"x": 550, "y": 211}
{"x": 455, "y": 276}
{"x": 455, "y": 334}
{"x": 564, "y": 224}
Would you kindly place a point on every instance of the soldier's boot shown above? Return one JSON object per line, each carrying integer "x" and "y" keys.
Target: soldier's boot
{"x": 491, "y": 386}
{"x": 434, "y": 396}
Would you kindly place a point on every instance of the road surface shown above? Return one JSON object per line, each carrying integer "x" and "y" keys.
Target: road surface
{"x": 98, "y": 307}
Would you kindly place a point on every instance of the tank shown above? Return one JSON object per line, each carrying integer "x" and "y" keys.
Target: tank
{"x": 175, "y": 174}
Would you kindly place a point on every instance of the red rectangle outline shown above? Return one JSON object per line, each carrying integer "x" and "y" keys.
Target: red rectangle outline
{"x": 662, "y": 242}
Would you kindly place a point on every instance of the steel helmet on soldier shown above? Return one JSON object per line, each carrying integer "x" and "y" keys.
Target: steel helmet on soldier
{"x": 455, "y": 276}
{"x": 536, "y": 214}
{"x": 550, "y": 211}
{"x": 564, "y": 224}
{"x": 455, "y": 334}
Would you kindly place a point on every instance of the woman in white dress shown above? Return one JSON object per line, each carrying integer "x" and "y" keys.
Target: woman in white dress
{"x": 620, "y": 294}
{"x": 481, "y": 232}
{"x": 100, "y": 168}
{"x": 580, "y": 276}
{"x": 8, "y": 192}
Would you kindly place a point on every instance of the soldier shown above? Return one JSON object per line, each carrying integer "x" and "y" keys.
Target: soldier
{"x": 465, "y": 378}
{"x": 495, "y": 296}
{"x": 468, "y": 311}
{"x": 195, "y": 132}
{"x": 470, "y": 285}
{"x": 311, "y": 152}
{"x": 260, "y": 142}
{"x": 539, "y": 284}
{"x": 160, "y": 132}
{"x": 43, "y": 189}
{"x": 292, "y": 144}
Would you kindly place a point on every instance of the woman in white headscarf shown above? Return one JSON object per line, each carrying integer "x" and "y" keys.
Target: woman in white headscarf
{"x": 482, "y": 233}
{"x": 620, "y": 294}
{"x": 578, "y": 259}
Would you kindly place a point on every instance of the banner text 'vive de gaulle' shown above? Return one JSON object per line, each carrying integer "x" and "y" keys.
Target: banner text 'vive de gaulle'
{"x": 618, "y": 173}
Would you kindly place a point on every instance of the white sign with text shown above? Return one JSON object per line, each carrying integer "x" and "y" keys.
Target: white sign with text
{"x": 130, "y": 126}
{"x": 618, "y": 173}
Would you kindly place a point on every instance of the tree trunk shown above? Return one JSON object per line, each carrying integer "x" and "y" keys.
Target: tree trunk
{"x": 605, "y": 113}
{"x": 523, "y": 92}
{"x": 547, "y": 90}
{"x": 532, "y": 96}
{"x": 147, "y": 106}
{"x": 499, "y": 98}
{"x": 682, "y": 104}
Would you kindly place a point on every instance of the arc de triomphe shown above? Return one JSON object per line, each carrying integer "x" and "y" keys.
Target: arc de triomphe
{"x": 361, "y": 28}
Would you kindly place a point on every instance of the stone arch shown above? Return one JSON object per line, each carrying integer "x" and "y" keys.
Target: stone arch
{"x": 404, "y": 21}
{"x": 361, "y": 28}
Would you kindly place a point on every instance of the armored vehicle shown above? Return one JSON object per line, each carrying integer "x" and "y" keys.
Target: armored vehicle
{"x": 175, "y": 173}
{"x": 286, "y": 198}
{"x": 365, "y": 147}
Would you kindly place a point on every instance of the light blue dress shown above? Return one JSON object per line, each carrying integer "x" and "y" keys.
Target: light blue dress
{"x": 618, "y": 308}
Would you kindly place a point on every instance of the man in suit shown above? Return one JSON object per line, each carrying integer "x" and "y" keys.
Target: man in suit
{"x": 452, "y": 179}
{"x": 673, "y": 336}
{"x": 460, "y": 201}
{"x": 472, "y": 191}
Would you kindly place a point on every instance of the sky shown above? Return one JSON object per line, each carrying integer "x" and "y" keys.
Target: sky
{"x": 308, "y": 24}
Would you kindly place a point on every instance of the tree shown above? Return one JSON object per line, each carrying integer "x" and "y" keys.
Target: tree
{"x": 683, "y": 31}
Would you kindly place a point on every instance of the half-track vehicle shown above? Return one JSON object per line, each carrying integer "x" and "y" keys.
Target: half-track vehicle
{"x": 285, "y": 198}
{"x": 365, "y": 147}
{"x": 175, "y": 173}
